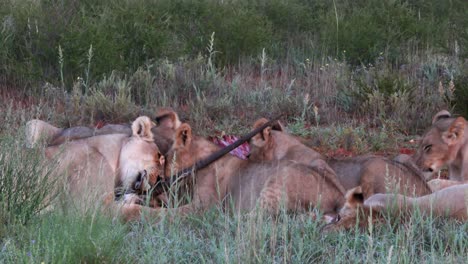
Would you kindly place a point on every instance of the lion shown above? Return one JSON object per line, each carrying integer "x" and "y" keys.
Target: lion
{"x": 439, "y": 184}
{"x": 38, "y": 130}
{"x": 382, "y": 175}
{"x": 445, "y": 144}
{"x": 273, "y": 143}
{"x": 108, "y": 164}
{"x": 242, "y": 183}
{"x": 450, "y": 202}
{"x": 373, "y": 173}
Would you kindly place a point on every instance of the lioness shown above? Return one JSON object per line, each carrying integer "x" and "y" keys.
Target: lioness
{"x": 242, "y": 182}
{"x": 102, "y": 163}
{"x": 445, "y": 143}
{"x": 375, "y": 174}
{"x": 167, "y": 120}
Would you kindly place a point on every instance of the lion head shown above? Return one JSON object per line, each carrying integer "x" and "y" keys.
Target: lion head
{"x": 140, "y": 160}
{"x": 441, "y": 144}
{"x": 354, "y": 199}
{"x": 262, "y": 145}
{"x": 354, "y": 213}
{"x": 274, "y": 143}
{"x": 187, "y": 149}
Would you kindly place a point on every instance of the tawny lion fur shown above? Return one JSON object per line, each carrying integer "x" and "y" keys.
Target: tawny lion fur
{"x": 445, "y": 144}
{"x": 98, "y": 165}
{"x": 373, "y": 173}
{"x": 242, "y": 183}
{"x": 273, "y": 143}
{"x": 38, "y": 131}
{"x": 450, "y": 202}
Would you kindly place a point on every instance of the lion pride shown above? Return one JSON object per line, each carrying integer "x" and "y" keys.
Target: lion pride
{"x": 242, "y": 183}
{"x": 373, "y": 173}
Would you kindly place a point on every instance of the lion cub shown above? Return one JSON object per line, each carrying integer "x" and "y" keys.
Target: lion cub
{"x": 449, "y": 202}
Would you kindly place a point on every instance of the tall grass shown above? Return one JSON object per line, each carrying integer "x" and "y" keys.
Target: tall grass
{"x": 26, "y": 185}
{"x": 218, "y": 237}
{"x": 380, "y": 62}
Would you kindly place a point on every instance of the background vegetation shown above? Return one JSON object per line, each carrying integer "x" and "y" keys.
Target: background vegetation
{"x": 383, "y": 61}
{"x": 351, "y": 76}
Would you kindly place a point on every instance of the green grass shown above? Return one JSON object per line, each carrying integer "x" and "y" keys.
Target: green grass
{"x": 216, "y": 237}
{"x": 360, "y": 76}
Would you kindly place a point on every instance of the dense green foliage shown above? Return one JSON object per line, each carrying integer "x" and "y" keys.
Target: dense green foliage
{"x": 97, "y": 37}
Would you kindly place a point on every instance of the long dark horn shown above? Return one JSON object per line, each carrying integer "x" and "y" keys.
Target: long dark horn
{"x": 165, "y": 184}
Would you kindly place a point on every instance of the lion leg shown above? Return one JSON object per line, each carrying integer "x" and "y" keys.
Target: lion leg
{"x": 273, "y": 196}
{"x": 449, "y": 202}
{"x": 38, "y": 131}
{"x": 439, "y": 184}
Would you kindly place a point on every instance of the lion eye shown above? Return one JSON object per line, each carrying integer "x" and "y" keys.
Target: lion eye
{"x": 427, "y": 148}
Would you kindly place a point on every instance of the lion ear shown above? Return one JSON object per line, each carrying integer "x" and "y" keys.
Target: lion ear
{"x": 275, "y": 126}
{"x": 455, "y": 132}
{"x": 260, "y": 122}
{"x": 265, "y": 134}
{"x": 183, "y": 136}
{"x": 355, "y": 196}
{"x": 278, "y": 126}
{"x": 441, "y": 115}
{"x": 168, "y": 118}
{"x": 141, "y": 128}
{"x": 38, "y": 131}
